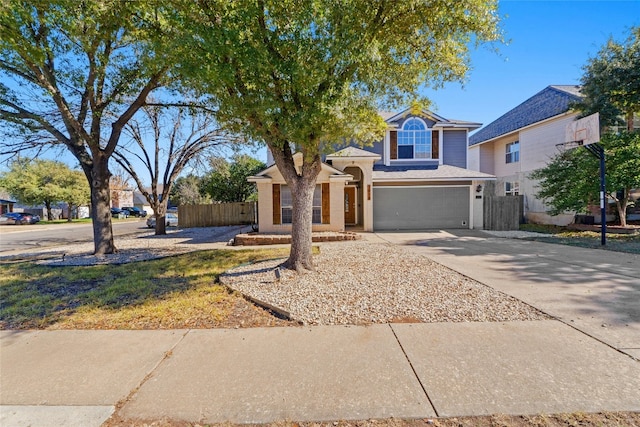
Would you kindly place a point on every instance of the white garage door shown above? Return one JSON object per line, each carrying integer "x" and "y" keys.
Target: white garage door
{"x": 420, "y": 208}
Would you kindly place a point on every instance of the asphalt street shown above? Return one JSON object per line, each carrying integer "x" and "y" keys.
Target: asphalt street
{"x": 37, "y": 236}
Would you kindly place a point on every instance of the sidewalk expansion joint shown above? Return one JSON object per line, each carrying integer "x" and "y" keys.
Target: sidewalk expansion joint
{"x": 167, "y": 354}
{"x": 593, "y": 337}
{"x": 424, "y": 390}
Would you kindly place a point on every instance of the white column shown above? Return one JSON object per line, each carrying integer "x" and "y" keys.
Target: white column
{"x": 367, "y": 197}
{"x": 386, "y": 147}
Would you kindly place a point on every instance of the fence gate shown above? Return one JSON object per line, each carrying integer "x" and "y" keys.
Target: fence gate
{"x": 503, "y": 213}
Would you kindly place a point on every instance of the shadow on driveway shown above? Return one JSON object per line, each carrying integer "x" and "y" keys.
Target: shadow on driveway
{"x": 595, "y": 290}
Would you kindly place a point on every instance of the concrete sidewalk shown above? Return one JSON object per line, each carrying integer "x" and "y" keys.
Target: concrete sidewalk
{"x": 76, "y": 378}
{"x": 596, "y": 291}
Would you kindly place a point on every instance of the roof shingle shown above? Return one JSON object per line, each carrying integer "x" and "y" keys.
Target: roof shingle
{"x": 549, "y": 102}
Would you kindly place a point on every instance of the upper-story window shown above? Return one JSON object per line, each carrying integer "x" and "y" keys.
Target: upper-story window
{"x": 513, "y": 152}
{"x": 414, "y": 140}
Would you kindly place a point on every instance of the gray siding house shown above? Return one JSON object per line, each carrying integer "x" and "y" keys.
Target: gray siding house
{"x": 416, "y": 178}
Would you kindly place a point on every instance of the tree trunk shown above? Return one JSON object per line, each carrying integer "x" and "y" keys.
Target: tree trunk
{"x": 101, "y": 209}
{"x": 69, "y": 212}
{"x": 161, "y": 225}
{"x": 47, "y": 205}
{"x": 621, "y": 204}
{"x": 159, "y": 212}
{"x": 623, "y": 214}
{"x": 301, "y": 242}
{"x": 302, "y": 182}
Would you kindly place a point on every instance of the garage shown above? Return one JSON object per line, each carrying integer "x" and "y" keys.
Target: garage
{"x": 420, "y": 207}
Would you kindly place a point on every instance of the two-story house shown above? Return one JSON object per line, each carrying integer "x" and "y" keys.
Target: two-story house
{"x": 521, "y": 141}
{"x": 415, "y": 178}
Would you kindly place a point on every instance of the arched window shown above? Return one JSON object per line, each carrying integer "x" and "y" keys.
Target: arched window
{"x": 414, "y": 140}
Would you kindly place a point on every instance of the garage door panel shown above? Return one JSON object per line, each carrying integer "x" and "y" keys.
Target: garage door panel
{"x": 415, "y": 208}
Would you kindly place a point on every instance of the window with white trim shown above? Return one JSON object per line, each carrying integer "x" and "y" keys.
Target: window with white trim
{"x": 414, "y": 140}
{"x": 512, "y": 154}
{"x": 286, "y": 205}
{"x": 511, "y": 188}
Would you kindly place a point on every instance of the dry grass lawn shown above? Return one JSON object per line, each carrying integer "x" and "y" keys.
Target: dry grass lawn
{"x": 171, "y": 293}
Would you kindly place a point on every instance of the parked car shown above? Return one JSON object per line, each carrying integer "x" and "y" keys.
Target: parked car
{"x": 17, "y": 218}
{"x": 33, "y": 218}
{"x": 119, "y": 213}
{"x": 171, "y": 220}
{"x": 133, "y": 211}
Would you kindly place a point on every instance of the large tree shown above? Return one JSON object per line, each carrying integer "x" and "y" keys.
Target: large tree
{"x": 44, "y": 182}
{"x": 73, "y": 73}
{"x": 227, "y": 181}
{"x": 611, "y": 82}
{"x": 306, "y": 75}
{"x": 611, "y": 87}
{"x": 570, "y": 181}
{"x": 187, "y": 190}
{"x": 164, "y": 141}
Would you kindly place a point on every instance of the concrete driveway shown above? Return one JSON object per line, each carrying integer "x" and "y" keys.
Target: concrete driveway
{"x": 595, "y": 291}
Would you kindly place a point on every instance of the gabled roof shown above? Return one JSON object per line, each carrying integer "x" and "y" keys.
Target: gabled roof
{"x": 266, "y": 174}
{"x": 5, "y": 197}
{"x": 549, "y": 102}
{"x": 139, "y": 199}
{"x": 439, "y": 120}
{"x": 386, "y": 115}
{"x": 354, "y": 152}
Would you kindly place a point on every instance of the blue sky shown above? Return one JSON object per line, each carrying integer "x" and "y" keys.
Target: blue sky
{"x": 548, "y": 44}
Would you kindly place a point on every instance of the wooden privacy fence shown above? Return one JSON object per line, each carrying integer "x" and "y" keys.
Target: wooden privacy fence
{"x": 217, "y": 214}
{"x": 503, "y": 213}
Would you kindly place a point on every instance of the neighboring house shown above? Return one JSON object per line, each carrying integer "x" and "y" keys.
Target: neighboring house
{"x": 121, "y": 197}
{"x": 415, "y": 178}
{"x": 6, "y": 205}
{"x": 140, "y": 202}
{"x": 58, "y": 210}
{"x": 521, "y": 141}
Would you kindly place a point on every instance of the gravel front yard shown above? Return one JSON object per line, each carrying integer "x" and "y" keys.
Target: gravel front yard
{"x": 361, "y": 283}
{"x": 355, "y": 282}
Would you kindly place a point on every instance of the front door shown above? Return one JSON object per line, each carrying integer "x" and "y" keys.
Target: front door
{"x": 350, "y": 205}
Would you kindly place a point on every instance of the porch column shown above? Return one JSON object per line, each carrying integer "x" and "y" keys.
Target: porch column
{"x": 367, "y": 196}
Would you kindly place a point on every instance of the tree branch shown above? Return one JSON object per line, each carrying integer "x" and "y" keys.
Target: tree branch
{"x": 21, "y": 114}
{"x": 138, "y": 102}
{"x": 195, "y": 106}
